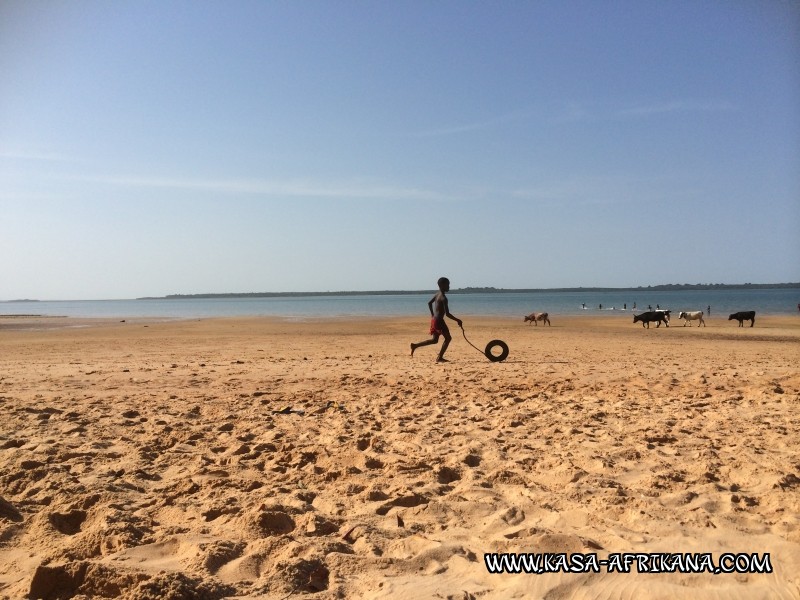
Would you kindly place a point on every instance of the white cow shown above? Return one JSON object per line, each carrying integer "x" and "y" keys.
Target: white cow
{"x": 694, "y": 315}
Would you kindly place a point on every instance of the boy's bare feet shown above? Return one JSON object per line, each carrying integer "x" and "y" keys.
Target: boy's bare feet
{"x": 413, "y": 347}
{"x": 440, "y": 359}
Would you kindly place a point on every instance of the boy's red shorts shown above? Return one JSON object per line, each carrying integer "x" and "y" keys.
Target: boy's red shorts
{"x": 437, "y": 327}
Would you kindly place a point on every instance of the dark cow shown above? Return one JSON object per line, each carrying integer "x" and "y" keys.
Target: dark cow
{"x": 745, "y": 315}
{"x": 534, "y": 317}
{"x": 652, "y": 315}
{"x": 666, "y": 312}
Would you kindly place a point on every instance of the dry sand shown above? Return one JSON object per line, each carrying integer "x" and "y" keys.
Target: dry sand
{"x": 145, "y": 460}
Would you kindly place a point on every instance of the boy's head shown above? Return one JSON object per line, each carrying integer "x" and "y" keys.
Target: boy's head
{"x": 444, "y": 284}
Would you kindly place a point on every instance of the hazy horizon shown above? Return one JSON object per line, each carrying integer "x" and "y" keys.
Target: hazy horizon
{"x": 769, "y": 285}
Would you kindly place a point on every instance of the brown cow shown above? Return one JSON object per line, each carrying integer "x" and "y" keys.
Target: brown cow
{"x": 535, "y": 317}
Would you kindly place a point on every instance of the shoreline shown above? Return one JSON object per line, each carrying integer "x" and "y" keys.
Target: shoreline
{"x": 22, "y": 321}
{"x": 777, "y": 302}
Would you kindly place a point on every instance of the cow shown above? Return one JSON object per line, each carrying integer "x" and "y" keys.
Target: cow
{"x": 652, "y": 315}
{"x": 534, "y": 317}
{"x": 693, "y": 315}
{"x": 745, "y": 315}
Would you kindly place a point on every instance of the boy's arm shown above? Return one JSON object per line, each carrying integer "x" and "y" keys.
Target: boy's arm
{"x": 447, "y": 312}
{"x": 430, "y": 304}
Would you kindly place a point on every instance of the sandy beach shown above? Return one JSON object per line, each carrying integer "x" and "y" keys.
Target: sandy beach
{"x": 275, "y": 459}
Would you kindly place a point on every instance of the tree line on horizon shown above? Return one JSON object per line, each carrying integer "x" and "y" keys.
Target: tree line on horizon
{"x": 484, "y": 290}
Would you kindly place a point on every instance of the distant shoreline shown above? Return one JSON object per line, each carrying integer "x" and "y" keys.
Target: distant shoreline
{"x": 468, "y": 290}
{"x": 486, "y": 290}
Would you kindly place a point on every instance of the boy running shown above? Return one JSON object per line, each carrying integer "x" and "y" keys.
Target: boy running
{"x": 439, "y": 309}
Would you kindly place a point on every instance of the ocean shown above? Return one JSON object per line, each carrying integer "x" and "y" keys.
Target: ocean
{"x": 779, "y": 301}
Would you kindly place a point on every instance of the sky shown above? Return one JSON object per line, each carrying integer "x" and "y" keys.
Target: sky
{"x": 151, "y": 148}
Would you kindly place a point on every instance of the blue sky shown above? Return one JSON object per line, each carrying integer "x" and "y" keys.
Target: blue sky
{"x": 150, "y": 148}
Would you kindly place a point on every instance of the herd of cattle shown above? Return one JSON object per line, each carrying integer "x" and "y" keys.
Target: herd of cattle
{"x": 661, "y": 316}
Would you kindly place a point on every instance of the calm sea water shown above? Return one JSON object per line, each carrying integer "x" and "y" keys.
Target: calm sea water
{"x": 722, "y": 302}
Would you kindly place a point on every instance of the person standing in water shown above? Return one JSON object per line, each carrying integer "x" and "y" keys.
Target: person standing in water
{"x": 439, "y": 310}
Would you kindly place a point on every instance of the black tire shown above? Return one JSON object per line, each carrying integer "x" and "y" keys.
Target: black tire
{"x": 496, "y": 357}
